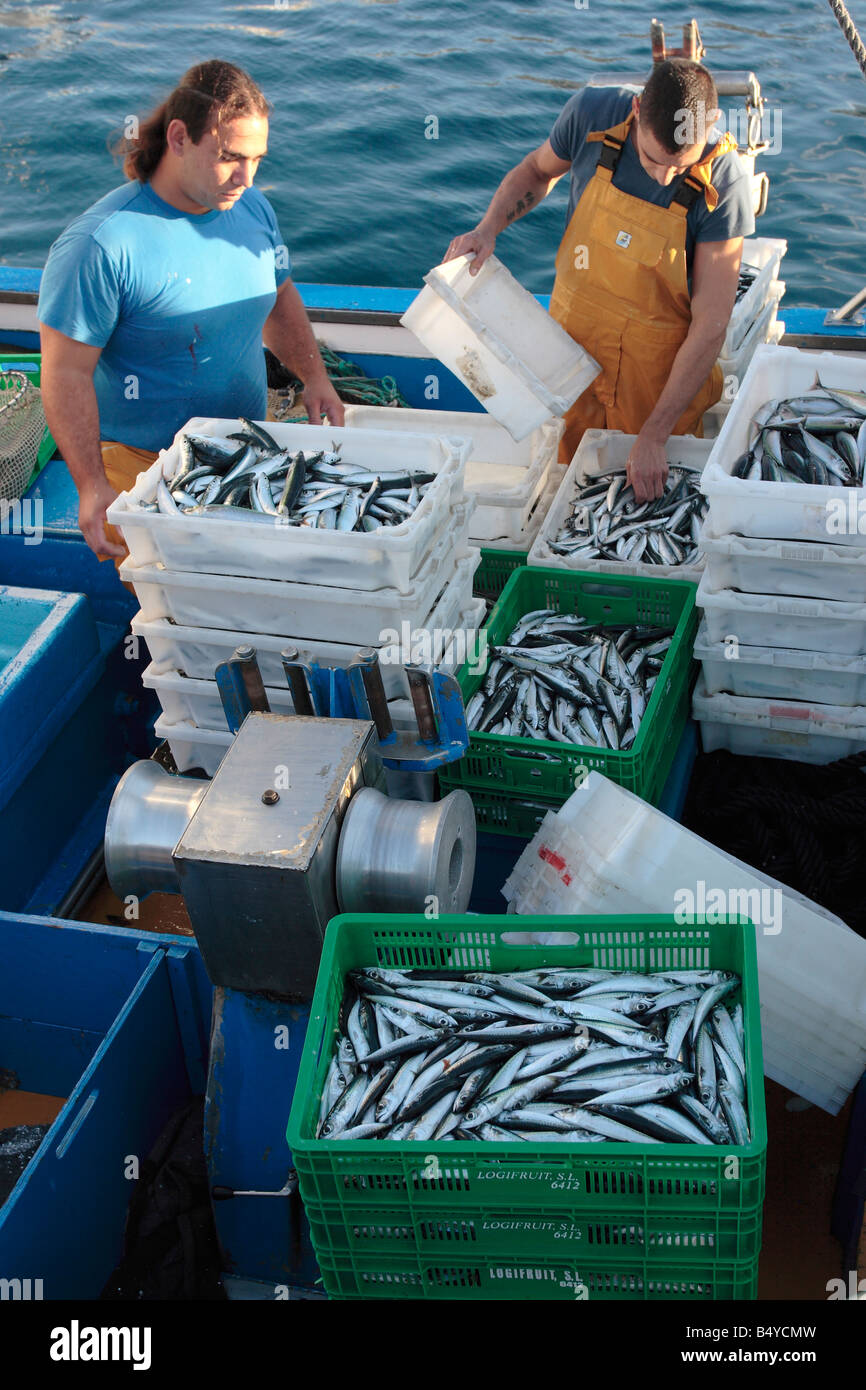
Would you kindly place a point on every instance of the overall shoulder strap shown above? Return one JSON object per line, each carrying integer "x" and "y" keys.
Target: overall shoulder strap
{"x": 698, "y": 180}
{"x": 613, "y": 144}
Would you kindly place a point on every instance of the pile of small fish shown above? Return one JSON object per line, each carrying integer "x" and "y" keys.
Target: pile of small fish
{"x": 561, "y": 677}
{"x": 748, "y": 276}
{"x": 818, "y": 437}
{"x": 247, "y": 475}
{"x": 582, "y": 1055}
{"x": 607, "y": 522}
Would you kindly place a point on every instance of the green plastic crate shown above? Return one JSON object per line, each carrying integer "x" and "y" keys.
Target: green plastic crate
{"x": 411, "y": 1178}
{"x": 496, "y": 568}
{"x": 502, "y": 813}
{"x": 517, "y": 1277}
{"x": 31, "y": 364}
{"x": 545, "y": 768}
{"x": 659, "y": 1237}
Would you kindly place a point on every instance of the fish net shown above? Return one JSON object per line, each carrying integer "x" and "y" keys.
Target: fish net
{"x": 800, "y": 822}
{"x": 22, "y": 426}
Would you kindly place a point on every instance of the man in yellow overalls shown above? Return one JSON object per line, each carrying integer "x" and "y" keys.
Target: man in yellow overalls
{"x": 646, "y": 273}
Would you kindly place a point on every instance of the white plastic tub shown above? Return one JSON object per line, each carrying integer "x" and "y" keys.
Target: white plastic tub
{"x": 768, "y": 620}
{"x": 506, "y": 478}
{"x": 527, "y": 535}
{"x": 193, "y": 721}
{"x": 761, "y": 331}
{"x": 303, "y": 610}
{"x": 766, "y": 253}
{"x": 197, "y": 701}
{"x": 783, "y": 511}
{"x": 192, "y": 747}
{"x": 544, "y": 502}
{"x": 616, "y": 854}
{"x": 805, "y": 569}
{"x": 606, "y": 451}
{"x": 780, "y": 673}
{"x": 761, "y": 728}
{"x": 197, "y": 651}
{"x": 496, "y": 338}
{"x": 387, "y": 558}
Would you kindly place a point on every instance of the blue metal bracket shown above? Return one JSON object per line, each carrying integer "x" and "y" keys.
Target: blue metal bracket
{"x": 233, "y": 693}
{"x": 452, "y": 736}
{"x": 329, "y": 692}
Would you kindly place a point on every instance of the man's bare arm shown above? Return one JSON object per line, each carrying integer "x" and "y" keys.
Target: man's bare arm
{"x": 714, "y": 287}
{"x": 522, "y": 189}
{"x": 72, "y": 414}
{"x": 289, "y": 335}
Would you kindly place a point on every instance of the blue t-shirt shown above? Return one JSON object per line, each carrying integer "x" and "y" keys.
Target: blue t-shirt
{"x": 176, "y": 301}
{"x": 600, "y": 108}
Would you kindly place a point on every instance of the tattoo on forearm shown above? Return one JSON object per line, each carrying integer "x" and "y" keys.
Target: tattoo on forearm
{"x": 523, "y": 205}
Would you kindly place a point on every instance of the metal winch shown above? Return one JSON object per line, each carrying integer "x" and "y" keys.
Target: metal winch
{"x": 296, "y": 823}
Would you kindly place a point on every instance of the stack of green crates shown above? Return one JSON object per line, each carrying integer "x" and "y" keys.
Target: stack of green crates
{"x": 460, "y": 1220}
{"x": 30, "y": 363}
{"x": 513, "y": 782}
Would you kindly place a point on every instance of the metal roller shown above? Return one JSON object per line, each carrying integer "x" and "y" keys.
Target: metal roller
{"x": 150, "y": 810}
{"x": 394, "y": 856}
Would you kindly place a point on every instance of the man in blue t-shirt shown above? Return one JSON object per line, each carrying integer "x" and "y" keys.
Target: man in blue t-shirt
{"x": 646, "y": 274}
{"x": 154, "y": 303}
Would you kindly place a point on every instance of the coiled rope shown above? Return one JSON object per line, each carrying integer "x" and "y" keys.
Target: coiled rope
{"x": 351, "y": 384}
{"x": 799, "y": 822}
{"x": 849, "y": 29}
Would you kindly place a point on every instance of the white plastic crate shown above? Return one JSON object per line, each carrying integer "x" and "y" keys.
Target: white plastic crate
{"x": 766, "y": 253}
{"x": 314, "y": 611}
{"x": 525, "y": 539}
{"x": 761, "y": 728}
{"x": 767, "y": 620}
{"x": 192, "y": 747}
{"x": 197, "y": 651}
{"x": 496, "y": 338}
{"x": 387, "y": 558}
{"x": 780, "y": 673}
{"x": 193, "y": 721}
{"x": 197, "y": 701}
{"x": 805, "y": 568}
{"x": 613, "y": 853}
{"x": 735, "y": 370}
{"x": 505, "y": 477}
{"x": 761, "y": 331}
{"x": 606, "y": 451}
{"x": 782, "y": 511}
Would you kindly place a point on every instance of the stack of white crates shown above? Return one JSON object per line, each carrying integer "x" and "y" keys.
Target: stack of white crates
{"x": 783, "y": 638}
{"x": 207, "y": 585}
{"x": 754, "y": 320}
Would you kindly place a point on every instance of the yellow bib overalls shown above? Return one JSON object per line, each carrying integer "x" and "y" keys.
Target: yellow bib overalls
{"x": 621, "y": 291}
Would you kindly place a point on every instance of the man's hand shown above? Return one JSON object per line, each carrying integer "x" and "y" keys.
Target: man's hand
{"x": 647, "y": 467}
{"x": 320, "y": 398}
{"x": 478, "y": 243}
{"x": 93, "y": 502}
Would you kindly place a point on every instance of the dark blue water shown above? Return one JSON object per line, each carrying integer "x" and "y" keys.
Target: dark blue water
{"x": 362, "y": 196}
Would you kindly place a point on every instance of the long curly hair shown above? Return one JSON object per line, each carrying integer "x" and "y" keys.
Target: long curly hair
{"x": 207, "y": 94}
